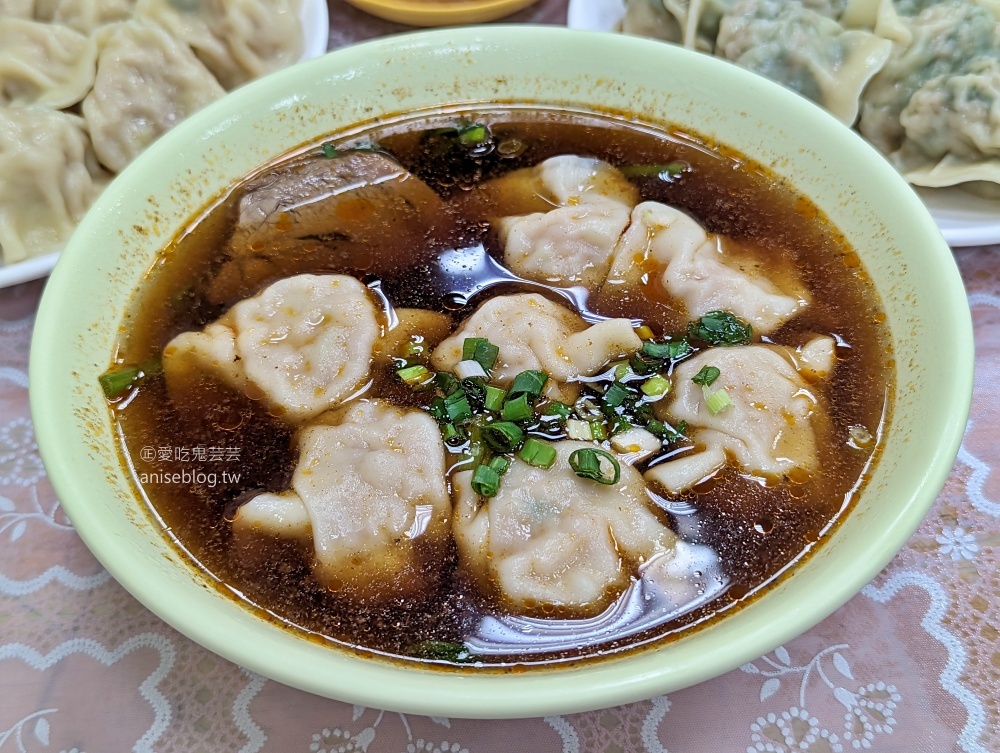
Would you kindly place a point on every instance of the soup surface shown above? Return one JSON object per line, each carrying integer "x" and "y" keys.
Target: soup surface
{"x": 210, "y": 448}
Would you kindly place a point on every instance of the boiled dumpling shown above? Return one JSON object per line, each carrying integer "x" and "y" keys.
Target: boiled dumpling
{"x": 44, "y": 64}
{"x": 369, "y": 489}
{"x": 291, "y": 217}
{"x": 16, "y": 8}
{"x": 238, "y": 40}
{"x": 147, "y": 82}
{"x": 54, "y": 177}
{"x": 84, "y": 15}
{"x": 571, "y": 243}
{"x": 304, "y": 344}
{"x": 698, "y": 269}
{"x": 804, "y": 50}
{"x": 550, "y": 540}
{"x": 534, "y": 333}
{"x": 771, "y": 427}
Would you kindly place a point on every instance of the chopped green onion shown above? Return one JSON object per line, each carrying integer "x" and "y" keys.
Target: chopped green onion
{"x": 537, "y": 453}
{"x": 500, "y": 464}
{"x": 576, "y": 429}
{"x": 518, "y": 409}
{"x": 616, "y": 395}
{"x": 641, "y": 364}
{"x": 446, "y": 382}
{"x": 587, "y": 408}
{"x": 415, "y": 376}
{"x": 473, "y": 134}
{"x": 457, "y": 406}
{"x": 620, "y": 424}
{"x": 621, "y": 371}
{"x": 470, "y": 369}
{"x": 706, "y": 376}
{"x": 330, "y": 151}
{"x": 598, "y": 430}
{"x": 678, "y": 348}
{"x": 528, "y": 383}
{"x": 586, "y": 463}
{"x": 668, "y": 171}
{"x": 555, "y": 408}
{"x": 481, "y": 350}
{"x": 666, "y": 431}
{"x": 656, "y": 350}
{"x": 415, "y": 346}
{"x": 502, "y": 436}
{"x": 116, "y": 383}
{"x": 656, "y": 387}
{"x": 717, "y": 401}
{"x": 485, "y": 481}
{"x": 644, "y": 412}
{"x": 494, "y": 399}
{"x": 438, "y": 410}
{"x": 451, "y": 434}
{"x": 721, "y": 328}
{"x": 475, "y": 389}
{"x": 457, "y": 653}
{"x": 644, "y": 332}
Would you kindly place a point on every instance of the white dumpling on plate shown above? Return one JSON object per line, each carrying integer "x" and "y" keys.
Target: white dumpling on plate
{"x": 303, "y": 345}
{"x": 532, "y": 332}
{"x": 570, "y": 243}
{"x": 57, "y": 178}
{"x": 44, "y": 64}
{"x": 238, "y": 40}
{"x": 551, "y": 540}
{"x": 146, "y": 83}
{"x": 83, "y": 15}
{"x": 771, "y": 428}
{"x": 701, "y": 271}
{"x": 369, "y": 490}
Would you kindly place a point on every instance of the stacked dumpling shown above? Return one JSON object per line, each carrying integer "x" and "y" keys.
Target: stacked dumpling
{"x": 87, "y": 85}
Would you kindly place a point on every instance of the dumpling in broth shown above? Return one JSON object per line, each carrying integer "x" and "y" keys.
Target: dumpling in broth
{"x": 572, "y": 242}
{"x": 534, "y": 333}
{"x": 697, "y": 269}
{"x": 44, "y": 64}
{"x": 57, "y": 178}
{"x": 84, "y": 15}
{"x": 551, "y": 540}
{"x": 771, "y": 427}
{"x": 303, "y": 345}
{"x": 146, "y": 83}
{"x": 238, "y": 40}
{"x": 369, "y": 490}
{"x": 16, "y": 8}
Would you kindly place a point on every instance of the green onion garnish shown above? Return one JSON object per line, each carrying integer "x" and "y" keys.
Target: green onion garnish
{"x": 655, "y": 350}
{"x": 576, "y": 429}
{"x": 706, "y": 376}
{"x": 116, "y": 383}
{"x": 621, "y": 371}
{"x": 457, "y": 406}
{"x": 586, "y": 463}
{"x": 555, "y": 408}
{"x": 451, "y": 433}
{"x": 678, "y": 348}
{"x": 642, "y": 364}
{"x": 415, "y": 376}
{"x": 500, "y": 464}
{"x": 330, "y": 151}
{"x": 475, "y": 390}
{"x": 717, "y": 401}
{"x": 457, "y": 653}
{"x": 473, "y": 134}
{"x": 656, "y": 387}
{"x": 480, "y": 349}
{"x": 446, "y": 382}
{"x": 494, "y": 399}
{"x": 437, "y": 409}
{"x": 664, "y": 172}
{"x": 598, "y": 430}
{"x": 485, "y": 481}
{"x": 721, "y": 328}
{"x": 666, "y": 431}
{"x": 502, "y": 436}
{"x": 537, "y": 453}
{"x": 518, "y": 409}
{"x": 616, "y": 395}
{"x": 528, "y": 383}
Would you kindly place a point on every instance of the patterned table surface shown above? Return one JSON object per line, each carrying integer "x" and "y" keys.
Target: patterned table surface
{"x": 912, "y": 663}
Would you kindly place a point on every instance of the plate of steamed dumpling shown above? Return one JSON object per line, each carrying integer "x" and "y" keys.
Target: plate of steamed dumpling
{"x": 86, "y": 85}
{"x": 919, "y": 79}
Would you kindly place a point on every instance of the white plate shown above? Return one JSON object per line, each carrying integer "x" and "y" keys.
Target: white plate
{"x": 964, "y": 219}
{"x": 315, "y": 23}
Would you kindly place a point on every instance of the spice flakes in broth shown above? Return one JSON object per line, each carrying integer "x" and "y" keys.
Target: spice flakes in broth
{"x": 201, "y": 452}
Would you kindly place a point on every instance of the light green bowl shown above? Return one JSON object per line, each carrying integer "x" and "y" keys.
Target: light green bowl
{"x": 118, "y": 241}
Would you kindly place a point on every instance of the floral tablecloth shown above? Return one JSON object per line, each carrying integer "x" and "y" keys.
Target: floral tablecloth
{"x": 911, "y": 664}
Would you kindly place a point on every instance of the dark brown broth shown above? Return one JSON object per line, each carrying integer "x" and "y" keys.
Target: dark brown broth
{"x": 756, "y": 530}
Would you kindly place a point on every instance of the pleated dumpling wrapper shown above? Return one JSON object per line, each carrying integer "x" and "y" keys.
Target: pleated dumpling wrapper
{"x": 302, "y": 345}
{"x": 771, "y": 427}
{"x": 369, "y": 490}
